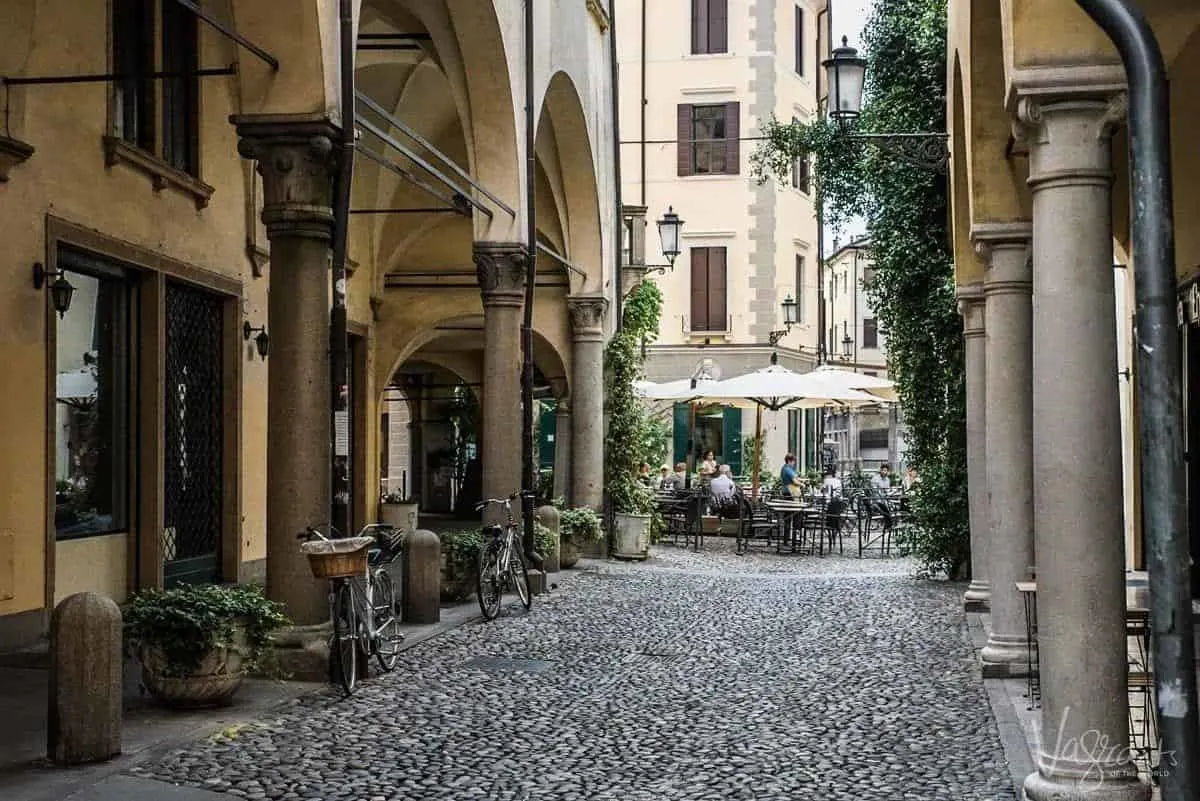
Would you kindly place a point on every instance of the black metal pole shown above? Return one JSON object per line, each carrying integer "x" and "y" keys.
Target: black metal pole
{"x": 1159, "y": 418}
{"x": 338, "y": 344}
{"x": 822, "y": 344}
{"x": 528, "y": 475}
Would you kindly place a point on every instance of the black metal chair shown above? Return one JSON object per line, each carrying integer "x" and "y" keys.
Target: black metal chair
{"x": 755, "y": 524}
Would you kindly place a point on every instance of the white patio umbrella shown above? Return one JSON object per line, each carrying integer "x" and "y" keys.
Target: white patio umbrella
{"x": 848, "y": 379}
{"x": 777, "y": 388}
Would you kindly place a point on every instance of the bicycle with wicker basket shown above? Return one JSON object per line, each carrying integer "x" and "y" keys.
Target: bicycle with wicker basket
{"x": 363, "y": 606}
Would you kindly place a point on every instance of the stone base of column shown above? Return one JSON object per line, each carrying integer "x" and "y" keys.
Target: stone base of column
{"x": 1088, "y": 782}
{"x": 978, "y": 597}
{"x": 1005, "y": 657}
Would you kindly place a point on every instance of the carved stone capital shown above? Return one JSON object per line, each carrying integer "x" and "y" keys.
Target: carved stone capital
{"x": 1006, "y": 249}
{"x": 297, "y": 160}
{"x": 587, "y": 313}
{"x": 971, "y": 305}
{"x": 1067, "y": 132}
{"x": 500, "y": 270}
{"x": 12, "y": 153}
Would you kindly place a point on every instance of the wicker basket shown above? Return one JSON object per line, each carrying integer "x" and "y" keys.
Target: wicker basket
{"x": 338, "y": 558}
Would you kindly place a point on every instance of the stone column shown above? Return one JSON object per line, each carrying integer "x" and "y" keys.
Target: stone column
{"x": 1078, "y": 507}
{"x": 587, "y": 392}
{"x": 1008, "y": 441}
{"x": 296, "y": 161}
{"x": 562, "y": 449}
{"x": 500, "y": 268}
{"x": 971, "y": 307}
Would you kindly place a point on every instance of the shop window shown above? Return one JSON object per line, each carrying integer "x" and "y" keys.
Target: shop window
{"x": 93, "y": 399}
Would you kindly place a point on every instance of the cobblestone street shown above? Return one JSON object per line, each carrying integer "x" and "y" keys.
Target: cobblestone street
{"x": 692, "y": 676}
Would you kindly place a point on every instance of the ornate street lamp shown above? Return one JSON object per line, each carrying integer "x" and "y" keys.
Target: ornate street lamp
{"x": 847, "y": 348}
{"x": 262, "y": 342}
{"x": 846, "y": 75}
{"x": 669, "y": 228}
{"x": 789, "y": 319}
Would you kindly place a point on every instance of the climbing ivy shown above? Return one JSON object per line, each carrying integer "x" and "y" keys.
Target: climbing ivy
{"x": 628, "y": 423}
{"x": 907, "y": 211}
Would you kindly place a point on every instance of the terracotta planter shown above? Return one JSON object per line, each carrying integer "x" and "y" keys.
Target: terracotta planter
{"x": 213, "y": 683}
{"x": 568, "y": 554}
{"x": 403, "y": 516}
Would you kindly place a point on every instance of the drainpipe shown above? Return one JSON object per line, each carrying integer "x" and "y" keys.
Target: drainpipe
{"x": 822, "y": 345}
{"x": 616, "y": 118}
{"x": 528, "y": 474}
{"x": 338, "y": 344}
{"x": 642, "y": 160}
{"x": 1159, "y": 418}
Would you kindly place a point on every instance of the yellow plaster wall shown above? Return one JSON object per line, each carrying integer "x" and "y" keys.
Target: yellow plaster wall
{"x": 92, "y": 564}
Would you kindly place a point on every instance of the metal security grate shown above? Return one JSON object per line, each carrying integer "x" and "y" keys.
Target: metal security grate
{"x": 192, "y": 481}
{"x": 504, "y": 664}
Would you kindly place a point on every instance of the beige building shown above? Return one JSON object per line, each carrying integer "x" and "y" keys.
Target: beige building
{"x": 697, "y": 80}
{"x": 861, "y": 439}
{"x": 180, "y": 181}
{"x": 1041, "y": 205}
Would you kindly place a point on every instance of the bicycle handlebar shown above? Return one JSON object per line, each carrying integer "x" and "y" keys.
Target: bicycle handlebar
{"x": 486, "y": 502}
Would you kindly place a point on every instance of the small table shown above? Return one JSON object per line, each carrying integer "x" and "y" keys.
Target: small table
{"x": 787, "y": 511}
{"x": 1033, "y": 685}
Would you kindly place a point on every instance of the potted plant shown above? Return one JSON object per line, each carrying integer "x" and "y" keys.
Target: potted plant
{"x": 577, "y": 529}
{"x": 631, "y": 502}
{"x": 195, "y": 643}
{"x": 399, "y": 509}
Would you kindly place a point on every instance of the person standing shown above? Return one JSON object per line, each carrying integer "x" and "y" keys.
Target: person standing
{"x": 789, "y": 480}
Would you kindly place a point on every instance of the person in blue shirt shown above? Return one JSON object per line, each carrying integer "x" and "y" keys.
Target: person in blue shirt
{"x": 787, "y": 476}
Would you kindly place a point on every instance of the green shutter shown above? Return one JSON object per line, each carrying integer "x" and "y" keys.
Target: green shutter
{"x": 732, "y": 428}
{"x": 810, "y": 439}
{"x": 680, "y": 434}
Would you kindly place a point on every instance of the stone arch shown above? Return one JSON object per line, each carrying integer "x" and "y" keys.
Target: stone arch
{"x": 305, "y": 42}
{"x": 967, "y": 266}
{"x": 565, "y": 149}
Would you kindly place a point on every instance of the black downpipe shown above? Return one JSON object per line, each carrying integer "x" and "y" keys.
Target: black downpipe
{"x": 822, "y": 345}
{"x": 1159, "y": 416}
{"x": 619, "y": 211}
{"x": 528, "y": 475}
{"x": 338, "y": 344}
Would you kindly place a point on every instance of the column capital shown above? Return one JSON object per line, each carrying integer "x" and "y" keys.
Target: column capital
{"x": 500, "y": 270}
{"x": 297, "y": 160}
{"x": 1068, "y": 134}
{"x": 587, "y": 314}
{"x": 971, "y": 306}
{"x": 1005, "y": 249}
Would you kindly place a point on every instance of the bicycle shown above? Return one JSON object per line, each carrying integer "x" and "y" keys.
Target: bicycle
{"x": 362, "y": 597}
{"x": 501, "y": 561}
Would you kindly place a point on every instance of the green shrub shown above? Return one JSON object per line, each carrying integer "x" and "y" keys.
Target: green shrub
{"x": 580, "y": 525}
{"x": 187, "y": 622}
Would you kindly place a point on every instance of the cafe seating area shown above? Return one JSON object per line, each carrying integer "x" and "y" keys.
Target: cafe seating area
{"x": 859, "y": 521}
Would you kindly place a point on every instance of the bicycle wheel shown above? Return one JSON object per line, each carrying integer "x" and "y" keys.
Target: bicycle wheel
{"x": 520, "y": 577}
{"x": 343, "y": 647}
{"x": 488, "y": 583}
{"x": 387, "y": 619}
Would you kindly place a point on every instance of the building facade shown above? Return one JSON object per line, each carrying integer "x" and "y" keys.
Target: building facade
{"x": 1041, "y": 203}
{"x": 698, "y": 79}
{"x": 861, "y": 439}
{"x": 180, "y": 181}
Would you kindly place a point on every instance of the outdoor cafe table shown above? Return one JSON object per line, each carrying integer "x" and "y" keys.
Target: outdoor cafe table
{"x": 786, "y": 513}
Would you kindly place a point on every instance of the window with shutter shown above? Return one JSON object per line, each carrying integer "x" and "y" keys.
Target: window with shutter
{"x": 799, "y": 288}
{"x": 707, "y": 139}
{"x": 870, "y": 333}
{"x": 710, "y": 26}
{"x": 732, "y": 134}
{"x": 799, "y": 40}
{"x": 709, "y": 311}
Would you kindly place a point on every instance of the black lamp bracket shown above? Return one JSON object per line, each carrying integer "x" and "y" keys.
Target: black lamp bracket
{"x": 248, "y": 330}
{"x": 41, "y": 275}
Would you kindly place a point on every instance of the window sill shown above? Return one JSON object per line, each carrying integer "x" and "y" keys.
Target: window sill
{"x": 162, "y": 175}
{"x": 710, "y": 56}
{"x": 709, "y": 176}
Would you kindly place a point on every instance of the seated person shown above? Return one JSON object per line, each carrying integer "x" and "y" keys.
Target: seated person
{"x": 677, "y": 481}
{"x": 664, "y": 475}
{"x": 644, "y": 474}
{"x": 724, "y": 492}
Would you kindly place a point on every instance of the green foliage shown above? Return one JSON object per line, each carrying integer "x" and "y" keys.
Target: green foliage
{"x": 907, "y": 210}
{"x": 655, "y": 442}
{"x": 187, "y": 622}
{"x": 752, "y": 455}
{"x": 628, "y": 421}
{"x": 580, "y": 525}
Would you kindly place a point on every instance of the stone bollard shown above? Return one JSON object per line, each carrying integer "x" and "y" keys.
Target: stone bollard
{"x": 84, "y": 721}
{"x": 548, "y": 517}
{"x": 421, "y": 588}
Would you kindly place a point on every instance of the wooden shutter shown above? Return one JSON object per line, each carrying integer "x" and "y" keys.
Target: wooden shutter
{"x": 718, "y": 26}
{"x": 717, "y": 320}
{"x": 799, "y": 40}
{"x": 699, "y": 289}
{"x": 799, "y": 288}
{"x": 700, "y": 26}
{"x": 732, "y": 132}
{"x": 683, "y": 139}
